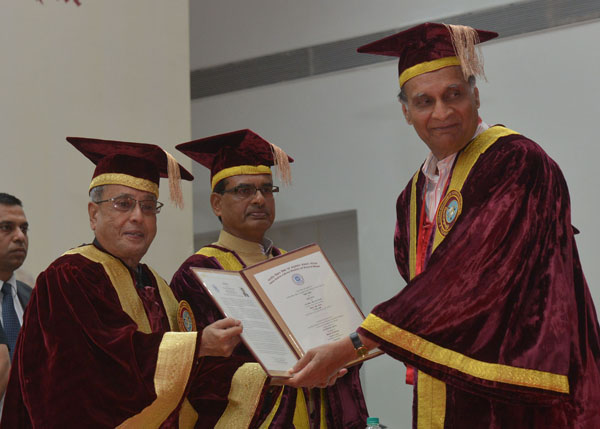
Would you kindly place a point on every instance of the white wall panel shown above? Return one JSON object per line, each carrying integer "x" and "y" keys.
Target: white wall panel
{"x": 108, "y": 69}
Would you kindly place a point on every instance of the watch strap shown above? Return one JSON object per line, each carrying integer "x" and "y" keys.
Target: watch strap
{"x": 359, "y": 347}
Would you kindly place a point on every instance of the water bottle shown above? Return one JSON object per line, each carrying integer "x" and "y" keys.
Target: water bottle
{"x": 373, "y": 423}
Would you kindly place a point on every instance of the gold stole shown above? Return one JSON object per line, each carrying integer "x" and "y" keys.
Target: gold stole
{"x": 431, "y": 392}
{"x": 248, "y": 381}
{"x": 176, "y": 351}
{"x": 466, "y": 159}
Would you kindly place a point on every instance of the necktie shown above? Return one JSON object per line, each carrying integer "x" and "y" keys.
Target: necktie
{"x": 10, "y": 320}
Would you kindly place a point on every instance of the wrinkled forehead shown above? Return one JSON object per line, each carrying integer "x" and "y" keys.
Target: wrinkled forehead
{"x": 439, "y": 80}
{"x": 111, "y": 191}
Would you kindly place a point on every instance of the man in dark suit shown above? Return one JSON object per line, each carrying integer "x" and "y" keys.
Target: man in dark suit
{"x": 14, "y": 294}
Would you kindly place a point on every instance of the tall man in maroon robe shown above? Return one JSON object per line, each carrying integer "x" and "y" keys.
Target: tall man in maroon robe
{"x": 496, "y": 322}
{"x": 98, "y": 347}
{"x": 243, "y": 199}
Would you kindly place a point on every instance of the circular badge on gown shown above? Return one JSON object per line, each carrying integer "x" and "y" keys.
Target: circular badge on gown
{"x": 448, "y": 212}
{"x": 185, "y": 317}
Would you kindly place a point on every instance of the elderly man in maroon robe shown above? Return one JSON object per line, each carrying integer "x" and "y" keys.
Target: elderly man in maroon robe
{"x": 496, "y": 323}
{"x": 98, "y": 347}
{"x": 243, "y": 198}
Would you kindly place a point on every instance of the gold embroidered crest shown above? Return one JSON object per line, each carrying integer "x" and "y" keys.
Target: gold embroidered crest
{"x": 448, "y": 211}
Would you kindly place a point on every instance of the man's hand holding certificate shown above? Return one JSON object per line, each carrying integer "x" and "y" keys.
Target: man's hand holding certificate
{"x": 324, "y": 364}
{"x": 287, "y": 305}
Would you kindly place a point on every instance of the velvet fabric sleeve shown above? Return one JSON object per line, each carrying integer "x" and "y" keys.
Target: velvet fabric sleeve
{"x": 502, "y": 308}
{"x": 402, "y": 232}
{"x": 80, "y": 358}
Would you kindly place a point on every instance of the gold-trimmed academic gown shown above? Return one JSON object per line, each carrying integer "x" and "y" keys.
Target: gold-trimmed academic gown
{"x": 500, "y": 323}
{"x": 89, "y": 355}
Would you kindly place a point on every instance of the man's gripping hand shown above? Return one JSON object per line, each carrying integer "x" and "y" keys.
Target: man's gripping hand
{"x": 220, "y": 338}
{"x": 322, "y": 366}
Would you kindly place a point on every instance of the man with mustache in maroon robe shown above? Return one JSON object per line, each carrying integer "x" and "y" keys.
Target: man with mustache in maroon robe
{"x": 243, "y": 199}
{"x": 100, "y": 346}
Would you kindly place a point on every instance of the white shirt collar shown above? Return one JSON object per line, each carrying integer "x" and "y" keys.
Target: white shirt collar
{"x": 13, "y": 284}
{"x": 433, "y": 168}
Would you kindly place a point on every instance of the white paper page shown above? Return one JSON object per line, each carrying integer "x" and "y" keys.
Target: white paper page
{"x": 311, "y": 300}
{"x": 260, "y": 333}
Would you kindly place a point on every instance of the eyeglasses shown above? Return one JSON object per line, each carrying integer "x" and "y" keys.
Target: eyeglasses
{"x": 247, "y": 191}
{"x": 127, "y": 204}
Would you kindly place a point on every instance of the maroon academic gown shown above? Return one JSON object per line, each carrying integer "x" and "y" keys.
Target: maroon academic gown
{"x": 346, "y": 405}
{"x": 501, "y": 315}
{"x": 80, "y": 359}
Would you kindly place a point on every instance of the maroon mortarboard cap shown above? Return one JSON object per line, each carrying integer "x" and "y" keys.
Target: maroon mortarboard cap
{"x": 431, "y": 46}
{"x": 137, "y": 165}
{"x": 235, "y": 153}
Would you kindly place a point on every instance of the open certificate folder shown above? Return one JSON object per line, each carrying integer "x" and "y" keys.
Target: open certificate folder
{"x": 287, "y": 305}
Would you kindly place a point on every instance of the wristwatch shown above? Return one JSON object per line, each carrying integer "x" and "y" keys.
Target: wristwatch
{"x": 359, "y": 347}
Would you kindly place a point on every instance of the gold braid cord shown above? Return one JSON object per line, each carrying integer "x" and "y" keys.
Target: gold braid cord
{"x": 465, "y": 42}
{"x": 174, "y": 180}
{"x": 282, "y": 163}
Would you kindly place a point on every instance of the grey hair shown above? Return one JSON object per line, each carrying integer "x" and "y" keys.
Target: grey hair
{"x": 96, "y": 193}
{"x": 403, "y": 98}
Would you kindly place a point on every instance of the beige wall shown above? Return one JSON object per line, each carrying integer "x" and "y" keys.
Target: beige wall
{"x": 109, "y": 69}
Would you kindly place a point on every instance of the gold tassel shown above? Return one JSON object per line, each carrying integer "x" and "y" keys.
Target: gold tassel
{"x": 465, "y": 42}
{"x": 281, "y": 161}
{"x": 174, "y": 180}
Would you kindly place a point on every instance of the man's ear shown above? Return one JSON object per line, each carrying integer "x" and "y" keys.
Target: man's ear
{"x": 215, "y": 203}
{"x": 406, "y": 114}
{"x": 93, "y": 213}
{"x": 476, "y": 92}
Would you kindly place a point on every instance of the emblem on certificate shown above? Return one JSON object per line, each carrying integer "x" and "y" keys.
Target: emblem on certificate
{"x": 185, "y": 317}
{"x": 448, "y": 211}
{"x": 298, "y": 279}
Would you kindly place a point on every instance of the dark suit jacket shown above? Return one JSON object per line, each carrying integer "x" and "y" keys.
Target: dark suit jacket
{"x": 23, "y": 293}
